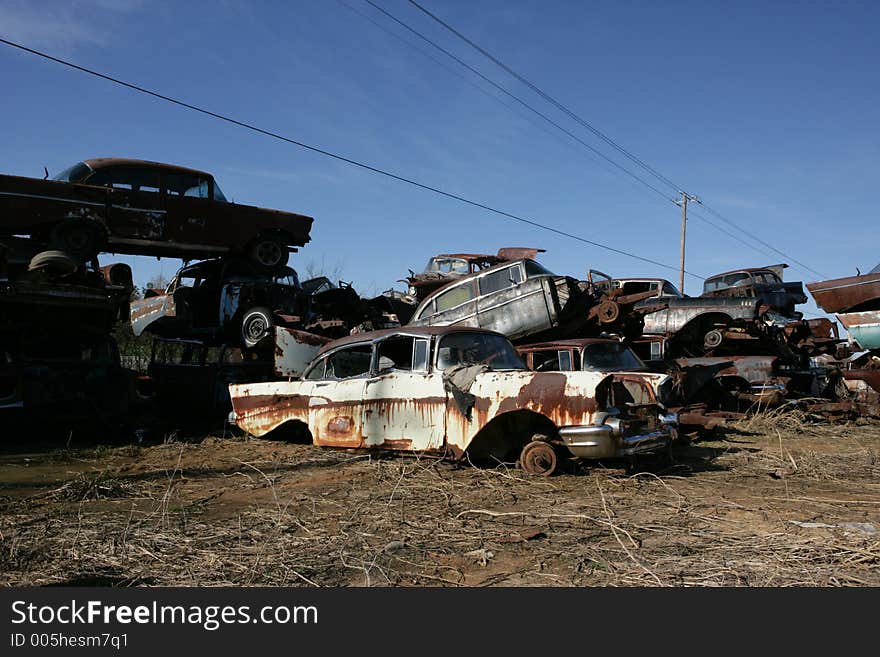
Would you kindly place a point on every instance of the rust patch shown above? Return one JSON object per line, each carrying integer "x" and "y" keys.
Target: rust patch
{"x": 341, "y": 424}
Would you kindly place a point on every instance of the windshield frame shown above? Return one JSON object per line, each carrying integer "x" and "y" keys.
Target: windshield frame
{"x": 80, "y": 168}
{"x": 623, "y": 351}
{"x": 512, "y": 361}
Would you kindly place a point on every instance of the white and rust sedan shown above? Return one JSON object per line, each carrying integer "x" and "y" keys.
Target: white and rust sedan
{"x": 449, "y": 390}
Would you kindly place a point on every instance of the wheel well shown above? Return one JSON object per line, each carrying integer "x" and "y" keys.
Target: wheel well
{"x": 733, "y": 382}
{"x": 292, "y": 431}
{"x": 503, "y": 437}
{"x": 707, "y": 321}
{"x": 280, "y": 233}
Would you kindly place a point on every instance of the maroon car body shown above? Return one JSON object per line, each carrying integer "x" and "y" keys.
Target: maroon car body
{"x": 144, "y": 208}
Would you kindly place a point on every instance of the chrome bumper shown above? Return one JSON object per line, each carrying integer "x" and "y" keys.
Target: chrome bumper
{"x": 605, "y": 439}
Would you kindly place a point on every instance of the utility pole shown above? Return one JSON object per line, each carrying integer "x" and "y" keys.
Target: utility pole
{"x": 685, "y": 197}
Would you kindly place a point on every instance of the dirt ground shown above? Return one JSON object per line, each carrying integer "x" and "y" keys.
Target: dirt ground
{"x": 773, "y": 502}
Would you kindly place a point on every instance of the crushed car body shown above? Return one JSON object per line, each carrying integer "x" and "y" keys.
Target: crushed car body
{"x": 448, "y": 390}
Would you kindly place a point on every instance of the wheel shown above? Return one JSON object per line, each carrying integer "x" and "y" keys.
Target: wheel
{"x": 712, "y": 339}
{"x": 538, "y": 458}
{"x": 608, "y": 312}
{"x": 269, "y": 251}
{"x": 57, "y": 262}
{"x": 255, "y": 326}
{"x": 79, "y": 238}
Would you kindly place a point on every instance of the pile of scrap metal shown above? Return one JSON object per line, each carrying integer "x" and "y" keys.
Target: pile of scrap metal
{"x": 451, "y": 381}
{"x": 59, "y": 364}
{"x": 740, "y": 346}
{"x": 856, "y": 302}
{"x": 59, "y": 307}
{"x": 338, "y": 310}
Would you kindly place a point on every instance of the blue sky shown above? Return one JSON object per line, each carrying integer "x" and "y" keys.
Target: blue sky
{"x": 768, "y": 111}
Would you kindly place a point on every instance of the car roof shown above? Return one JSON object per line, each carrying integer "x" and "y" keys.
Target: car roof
{"x": 414, "y": 331}
{"x": 467, "y": 256}
{"x": 105, "y": 162}
{"x": 749, "y": 270}
{"x": 565, "y": 344}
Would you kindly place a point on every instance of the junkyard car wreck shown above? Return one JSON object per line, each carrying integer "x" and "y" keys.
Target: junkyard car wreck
{"x": 144, "y": 208}
{"x": 459, "y": 392}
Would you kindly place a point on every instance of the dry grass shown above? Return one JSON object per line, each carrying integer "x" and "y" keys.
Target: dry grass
{"x": 260, "y": 513}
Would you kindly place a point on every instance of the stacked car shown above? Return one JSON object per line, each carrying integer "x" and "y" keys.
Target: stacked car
{"x": 485, "y": 356}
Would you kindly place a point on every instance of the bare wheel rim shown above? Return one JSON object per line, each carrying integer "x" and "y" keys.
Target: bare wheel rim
{"x": 713, "y": 338}
{"x": 256, "y": 327}
{"x": 538, "y": 458}
{"x": 609, "y": 311}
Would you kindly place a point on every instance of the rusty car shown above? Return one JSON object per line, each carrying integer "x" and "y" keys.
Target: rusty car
{"x": 222, "y": 299}
{"x": 459, "y": 392}
{"x": 762, "y": 283}
{"x": 524, "y": 300}
{"x": 635, "y": 386}
{"x": 848, "y": 294}
{"x": 856, "y": 300}
{"x": 144, "y": 208}
{"x": 698, "y": 326}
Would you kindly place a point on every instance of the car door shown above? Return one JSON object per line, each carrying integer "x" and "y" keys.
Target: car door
{"x": 513, "y": 306}
{"x": 336, "y": 400}
{"x": 136, "y": 214}
{"x": 456, "y": 305}
{"x": 190, "y": 209}
{"x": 404, "y": 404}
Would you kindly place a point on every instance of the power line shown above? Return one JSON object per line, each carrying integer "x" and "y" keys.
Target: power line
{"x": 336, "y": 156}
{"x": 758, "y": 239}
{"x": 526, "y": 116}
{"x": 608, "y": 140}
{"x": 519, "y": 100}
{"x": 554, "y": 124}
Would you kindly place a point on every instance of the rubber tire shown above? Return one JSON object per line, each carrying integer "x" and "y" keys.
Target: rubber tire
{"x": 58, "y": 262}
{"x": 81, "y": 239}
{"x": 269, "y": 252}
{"x": 251, "y": 336}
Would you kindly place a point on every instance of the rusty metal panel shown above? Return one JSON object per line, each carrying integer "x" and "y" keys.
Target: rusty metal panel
{"x": 754, "y": 369}
{"x": 144, "y": 312}
{"x": 680, "y": 312}
{"x": 842, "y": 294}
{"x": 294, "y": 350}
{"x": 863, "y": 327}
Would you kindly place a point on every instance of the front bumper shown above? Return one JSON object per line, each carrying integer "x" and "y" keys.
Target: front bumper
{"x": 608, "y": 439}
